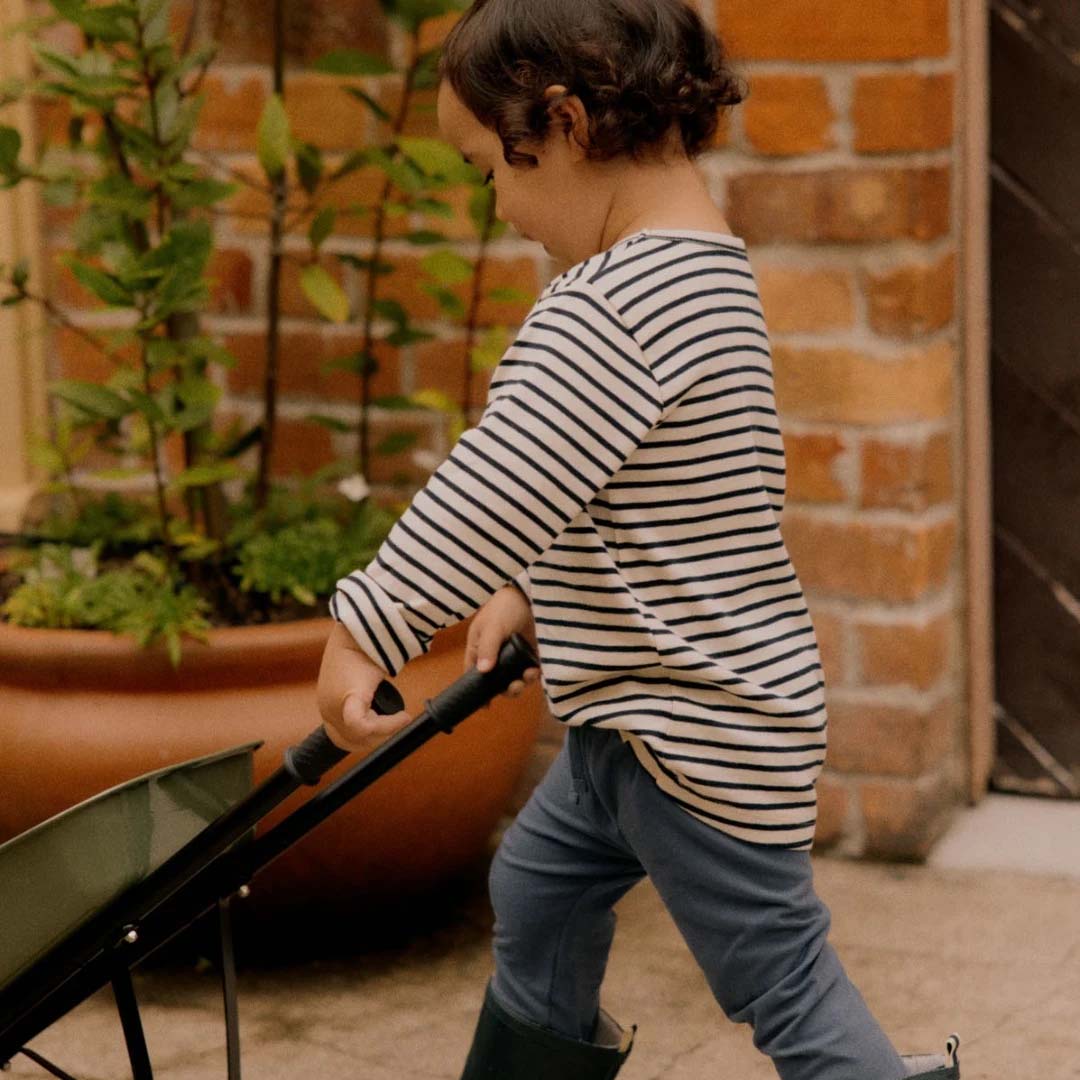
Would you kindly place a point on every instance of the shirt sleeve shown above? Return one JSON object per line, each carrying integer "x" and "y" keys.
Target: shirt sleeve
{"x": 570, "y": 401}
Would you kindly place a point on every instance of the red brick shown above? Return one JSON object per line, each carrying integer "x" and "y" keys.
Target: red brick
{"x": 887, "y": 740}
{"x": 846, "y": 386}
{"x": 74, "y": 357}
{"x": 242, "y": 28}
{"x": 847, "y": 30}
{"x": 440, "y": 365}
{"x": 903, "y": 653}
{"x": 796, "y": 299}
{"x": 788, "y": 114}
{"x": 831, "y": 632}
{"x": 863, "y": 560}
{"x": 903, "y": 818}
{"x": 902, "y": 111}
{"x": 907, "y": 476}
{"x": 322, "y": 112}
{"x": 833, "y": 804}
{"x": 812, "y": 464}
{"x": 303, "y": 355}
{"x": 301, "y": 447}
{"x": 907, "y": 301}
{"x": 230, "y": 112}
{"x": 840, "y": 205}
{"x": 229, "y": 272}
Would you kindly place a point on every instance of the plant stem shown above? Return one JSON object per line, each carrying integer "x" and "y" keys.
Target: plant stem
{"x": 474, "y": 307}
{"x": 273, "y": 289}
{"x": 363, "y": 450}
{"x": 155, "y": 457}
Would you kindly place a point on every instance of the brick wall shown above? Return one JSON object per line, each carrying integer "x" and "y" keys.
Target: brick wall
{"x": 838, "y": 171}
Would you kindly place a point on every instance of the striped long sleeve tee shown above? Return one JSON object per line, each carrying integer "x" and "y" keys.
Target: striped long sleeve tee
{"x": 628, "y": 471}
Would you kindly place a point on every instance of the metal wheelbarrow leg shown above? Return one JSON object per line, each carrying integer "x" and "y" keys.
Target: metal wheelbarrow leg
{"x": 211, "y": 867}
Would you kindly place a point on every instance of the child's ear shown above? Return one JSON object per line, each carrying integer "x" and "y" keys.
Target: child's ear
{"x": 569, "y": 117}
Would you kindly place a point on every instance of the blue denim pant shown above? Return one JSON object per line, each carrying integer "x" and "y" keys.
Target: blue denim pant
{"x": 595, "y": 826}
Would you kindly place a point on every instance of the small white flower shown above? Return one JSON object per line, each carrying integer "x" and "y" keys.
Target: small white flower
{"x": 427, "y": 460}
{"x": 354, "y": 487}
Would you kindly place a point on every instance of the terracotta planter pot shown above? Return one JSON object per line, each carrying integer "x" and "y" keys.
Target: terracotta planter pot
{"x": 83, "y": 710}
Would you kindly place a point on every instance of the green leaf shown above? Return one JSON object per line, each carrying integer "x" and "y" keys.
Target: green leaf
{"x": 322, "y": 226}
{"x": 433, "y": 206}
{"x": 509, "y": 296}
{"x": 334, "y": 423}
{"x": 204, "y": 475}
{"x": 20, "y": 273}
{"x": 196, "y": 399}
{"x": 405, "y": 174}
{"x": 359, "y": 262}
{"x": 392, "y": 310}
{"x": 426, "y": 75}
{"x": 309, "y": 166}
{"x": 113, "y": 22}
{"x": 200, "y": 193}
{"x": 397, "y": 441}
{"x": 104, "y": 286}
{"x": 364, "y": 97}
{"x": 435, "y": 399}
{"x": 324, "y": 293}
{"x": 92, "y": 399}
{"x": 392, "y": 401}
{"x": 447, "y": 267}
{"x": 406, "y": 335}
{"x": 481, "y": 212}
{"x": 117, "y": 192}
{"x": 61, "y": 193}
{"x": 10, "y": 145}
{"x": 357, "y": 159}
{"x": 436, "y": 158}
{"x": 355, "y": 362}
{"x": 490, "y": 349}
{"x": 352, "y": 62}
{"x": 273, "y": 137}
{"x": 448, "y": 302}
{"x": 426, "y": 236}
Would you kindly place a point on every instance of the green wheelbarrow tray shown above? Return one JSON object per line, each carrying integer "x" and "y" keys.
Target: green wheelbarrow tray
{"x": 88, "y": 894}
{"x": 58, "y": 874}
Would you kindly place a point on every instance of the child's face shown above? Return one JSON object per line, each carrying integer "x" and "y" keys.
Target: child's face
{"x": 549, "y": 203}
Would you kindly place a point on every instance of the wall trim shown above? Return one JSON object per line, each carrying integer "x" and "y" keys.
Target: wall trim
{"x": 22, "y": 328}
{"x": 974, "y": 148}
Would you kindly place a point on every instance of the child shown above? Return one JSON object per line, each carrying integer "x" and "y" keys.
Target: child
{"x": 627, "y": 477}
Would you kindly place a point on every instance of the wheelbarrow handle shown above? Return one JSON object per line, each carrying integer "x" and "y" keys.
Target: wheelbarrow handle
{"x": 307, "y": 761}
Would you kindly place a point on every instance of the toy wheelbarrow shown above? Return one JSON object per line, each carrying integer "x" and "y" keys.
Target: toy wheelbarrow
{"x": 88, "y": 894}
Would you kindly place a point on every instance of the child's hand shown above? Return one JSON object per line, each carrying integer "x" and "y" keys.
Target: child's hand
{"x": 507, "y": 612}
{"x": 348, "y": 679}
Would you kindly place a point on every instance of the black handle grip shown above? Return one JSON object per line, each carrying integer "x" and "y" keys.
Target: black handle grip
{"x": 308, "y": 760}
{"x": 476, "y": 688}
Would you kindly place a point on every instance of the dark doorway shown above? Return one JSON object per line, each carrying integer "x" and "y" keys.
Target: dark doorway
{"x": 1035, "y": 375}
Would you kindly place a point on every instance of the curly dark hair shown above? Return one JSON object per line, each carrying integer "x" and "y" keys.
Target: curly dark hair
{"x": 639, "y": 67}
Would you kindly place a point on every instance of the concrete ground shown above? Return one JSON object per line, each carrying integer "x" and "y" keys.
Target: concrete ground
{"x": 975, "y": 942}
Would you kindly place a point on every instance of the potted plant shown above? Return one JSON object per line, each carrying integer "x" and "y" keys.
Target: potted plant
{"x": 169, "y": 595}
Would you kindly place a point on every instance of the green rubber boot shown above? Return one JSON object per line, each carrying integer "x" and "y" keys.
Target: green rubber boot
{"x": 935, "y": 1066}
{"x": 506, "y": 1048}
